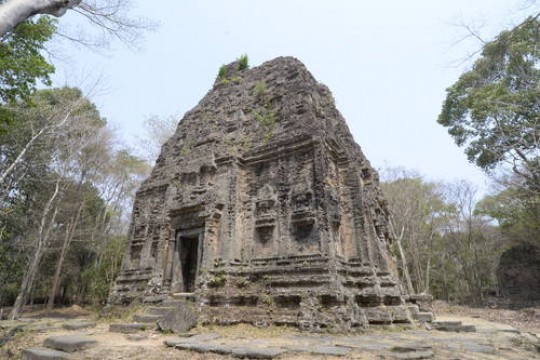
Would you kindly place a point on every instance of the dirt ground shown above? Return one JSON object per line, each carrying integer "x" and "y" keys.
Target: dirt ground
{"x": 525, "y": 319}
{"x": 116, "y": 346}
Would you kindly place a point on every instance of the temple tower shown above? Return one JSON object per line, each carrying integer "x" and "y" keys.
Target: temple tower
{"x": 264, "y": 207}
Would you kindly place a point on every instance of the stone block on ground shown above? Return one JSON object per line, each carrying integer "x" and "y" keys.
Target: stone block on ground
{"x": 69, "y": 343}
{"x": 181, "y": 319}
{"x": 330, "y": 350}
{"x": 233, "y": 351}
{"x": 158, "y": 310}
{"x": 146, "y": 318}
{"x": 467, "y": 328}
{"x": 424, "y": 317}
{"x": 447, "y": 325}
{"x": 412, "y": 351}
{"x": 256, "y": 353}
{"x": 205, "y": 348}
{"x": 78, "y": 325}
{"x": 127, "y": 328}
{"x": 424, "y": 301}
{"x": 198, "y": 338}
{"x": 43, "y": 354}
{"x": 413, "y": 310}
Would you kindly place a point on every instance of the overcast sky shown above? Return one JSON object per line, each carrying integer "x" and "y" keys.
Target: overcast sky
{"x": 387, "y": 63}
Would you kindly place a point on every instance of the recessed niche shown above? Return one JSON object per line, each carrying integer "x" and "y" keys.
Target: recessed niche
{"x": 135, "y": 253}
{"x": 303, "y": 232}
{"x": 264, "y": 235}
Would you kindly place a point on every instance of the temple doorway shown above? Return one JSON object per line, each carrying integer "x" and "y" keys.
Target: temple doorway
{"x": 189, "y": 252}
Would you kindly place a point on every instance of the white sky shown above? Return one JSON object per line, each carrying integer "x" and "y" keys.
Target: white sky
{"x": 387, "y": 63}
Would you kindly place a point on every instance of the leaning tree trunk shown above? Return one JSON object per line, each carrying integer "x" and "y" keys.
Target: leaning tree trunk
{"x": 42, "y": 239}
{"x": 14, "y": 12}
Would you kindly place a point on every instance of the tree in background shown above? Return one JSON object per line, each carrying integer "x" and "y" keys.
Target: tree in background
{"x": 515, "y": 209}
{"x": 66, "y": 186}
{"x": 110, "y": 16}
{"x": 158, "y": 130}
{"x": 447, "y": 247}
{"x": 493, "y": 110}
{"x": 414, "y": 207}
{"x": 65, "y": 191}
{"x": 22, "y": 65}
{"x": 469, "y": 248}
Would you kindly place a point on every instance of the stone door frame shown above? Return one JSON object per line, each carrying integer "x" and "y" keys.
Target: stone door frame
{"x": 178, "y": 281}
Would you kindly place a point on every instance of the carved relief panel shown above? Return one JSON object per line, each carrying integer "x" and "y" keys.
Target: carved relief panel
{"x": 265, "y": 221}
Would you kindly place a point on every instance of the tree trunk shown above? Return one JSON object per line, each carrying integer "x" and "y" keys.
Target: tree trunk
{"x": 65, "y": 246}
{"x": 42, "y": 239}
{"x": 404, "y": 265}
{"x": 19, "y": 157}
{"x": 430, "y": 254}
{"x": 14, "y": 12}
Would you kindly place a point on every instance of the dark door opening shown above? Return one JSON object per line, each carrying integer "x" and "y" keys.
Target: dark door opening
{"x": 189, "y": 261}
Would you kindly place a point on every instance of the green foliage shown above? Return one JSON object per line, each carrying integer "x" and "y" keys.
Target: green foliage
{"x": 267, "y": 118}
{"x": 260, "y": 89}
{"x": 449, "y": 250}
{"x": 517, "y": 212}
{"x": 61, "y": 142}
{"x": 22, "y": 65}
{"x": 11, "y": 270}
{"x": 222, "y": 73}
{"x": 218, "y": 278}
{"x": 243, "y": 62}
{"x": 493, "y": 110}
{"x": 225, "y": 73}
{"x": 101, "y": 274}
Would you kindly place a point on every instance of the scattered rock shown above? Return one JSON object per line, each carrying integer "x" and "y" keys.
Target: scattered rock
{"x": 147, "y": 318}
{"x": 198, "y": 338}
{"x": 457, "y": 326}
{"x": 78, "y": 325}
{"x": 69, "y": 343}
{"x": 331, "y": 350}
{"x": 467, "y": 328}
{"x": 126, "y": 328}
{"x": 256, "y": 353}
{"x": 424, "y": 317}
{"x": 235, "y": 352}
{"x": 412, "y": 351}
{"x": 181, "y": 319}
{"x": 43, "y": 354}
{"x": 159, "y": 310}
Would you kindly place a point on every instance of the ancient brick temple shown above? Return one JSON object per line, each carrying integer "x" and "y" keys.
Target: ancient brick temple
{"x": 265, "y": 208}
{"x": 519, "y": 274}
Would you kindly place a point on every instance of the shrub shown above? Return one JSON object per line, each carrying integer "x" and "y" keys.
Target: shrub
{"x": 260, "y": 88}
{"x": 243, "y": 62}
{"x": 222, "y": 73}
